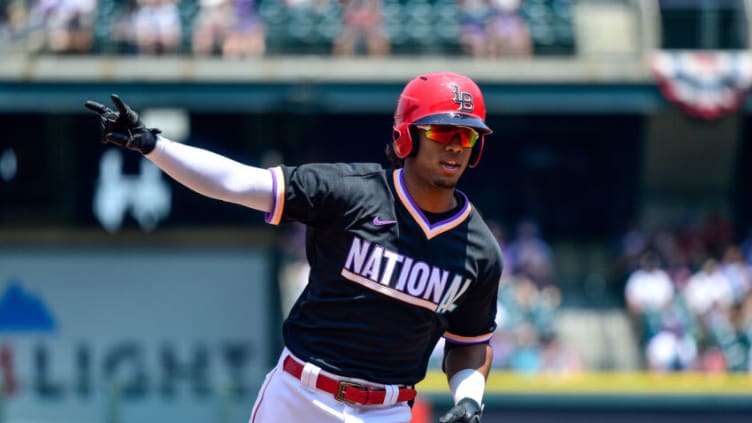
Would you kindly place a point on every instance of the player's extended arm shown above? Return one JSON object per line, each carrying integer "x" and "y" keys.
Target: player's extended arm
{"x": 205, "y": 172}
{"x": 467, "y": 368}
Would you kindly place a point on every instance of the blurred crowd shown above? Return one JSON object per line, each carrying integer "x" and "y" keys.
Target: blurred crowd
{"x": 688, "y": 293}
{"x": 251, "y": 28}
{"x": 526, "y": 338}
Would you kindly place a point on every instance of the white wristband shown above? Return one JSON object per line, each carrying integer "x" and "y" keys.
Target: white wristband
{"x": 468, "y": 383}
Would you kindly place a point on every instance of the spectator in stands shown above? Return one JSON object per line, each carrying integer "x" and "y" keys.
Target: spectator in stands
{"x": 362, "y": 22}
{"x": 507, "y": 31}
{"x": 628, "y": 251}
{"x": 631, "y": 246}
{"x": 738, "y": 272}
{"x": 648, "y": 288}
{"x": 123, "y": 31}
{"x": 210, "y": 26}
{"x": 737, "y": 342}
{"x": 671, "y": 349}
{"x": 714, "y": 307}
{"x": 246, "y": 35}
{"x": 230, "y": 27}
{"x": 473, "y": 32}
{"x": 546, "y": 309}
{"x": 157, "y": 27}
{"x": 648, "y": 295}
{"x": 531, "y": 255}
{"x": 66, "y": 25}
{"x": 680, "y": 262}
{"x": 708, "y": 289}
{"x": 525, "y": 322}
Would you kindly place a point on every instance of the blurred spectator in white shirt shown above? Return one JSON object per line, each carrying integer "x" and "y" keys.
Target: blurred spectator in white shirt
{"x": 210, "y": 26}
{"x": 708, "y": 289}
{"x": 671, "y": 349}
{"x": 157, "y": 27}
{"x": 649, "y": 288}
{"x": 65, "y": 26}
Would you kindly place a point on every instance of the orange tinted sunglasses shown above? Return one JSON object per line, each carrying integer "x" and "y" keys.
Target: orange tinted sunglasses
{"x": 444, "y": 134}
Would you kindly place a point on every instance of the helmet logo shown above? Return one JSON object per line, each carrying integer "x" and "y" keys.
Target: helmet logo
{"x": 463, "y": 98}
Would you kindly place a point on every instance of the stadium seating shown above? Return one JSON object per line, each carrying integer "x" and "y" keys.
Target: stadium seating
{"x": 414, "y": 27}
{"x": 551, "y": 25}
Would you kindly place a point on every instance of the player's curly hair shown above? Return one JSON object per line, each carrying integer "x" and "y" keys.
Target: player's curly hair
{"x": 392, "y": 158}
{"x": 391, "y": 155}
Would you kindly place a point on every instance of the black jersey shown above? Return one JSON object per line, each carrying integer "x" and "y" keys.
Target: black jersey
{"x": 385, "y": 283}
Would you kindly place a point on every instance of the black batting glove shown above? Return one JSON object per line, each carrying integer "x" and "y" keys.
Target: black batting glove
{"x": 467, "y": 410}
{"x": 123, "y": 127}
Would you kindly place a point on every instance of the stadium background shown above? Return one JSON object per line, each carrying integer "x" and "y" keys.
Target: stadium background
{"x": 139, "y": 314}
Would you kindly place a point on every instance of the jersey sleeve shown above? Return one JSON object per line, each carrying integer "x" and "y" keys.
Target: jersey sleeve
{"x": 319, "y": 195}
{"x": 308, "y": 194}
{"x": 474, "y": 321}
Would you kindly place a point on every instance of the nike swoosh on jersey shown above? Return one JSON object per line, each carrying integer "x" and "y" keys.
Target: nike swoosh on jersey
{"x": 379, "y": 222}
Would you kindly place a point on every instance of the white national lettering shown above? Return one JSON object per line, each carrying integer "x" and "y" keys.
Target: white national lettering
{"x": 418, "y": 279}
{"x": 436, "y": 284}
{"x": 392, "y": 259}
{"x": 402, "y": 277}
{"x": 357, "y": 255}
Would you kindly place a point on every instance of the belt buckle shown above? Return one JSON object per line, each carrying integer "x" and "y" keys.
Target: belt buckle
{"x": 340, "y": 395}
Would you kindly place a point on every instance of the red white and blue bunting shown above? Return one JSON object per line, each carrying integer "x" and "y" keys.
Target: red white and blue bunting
{"x": 707, "y": 84}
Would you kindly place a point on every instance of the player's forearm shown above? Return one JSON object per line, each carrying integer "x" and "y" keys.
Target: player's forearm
{"x": 467, "y": 368}
{"x": 476, "y": 356}
{"x": 214, "y": 175}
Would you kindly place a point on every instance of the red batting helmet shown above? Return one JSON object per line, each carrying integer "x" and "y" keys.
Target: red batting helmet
{"x": 439, "y": 98}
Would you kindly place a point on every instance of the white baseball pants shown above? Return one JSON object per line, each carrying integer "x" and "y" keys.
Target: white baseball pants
{"x": 284, "y": 398}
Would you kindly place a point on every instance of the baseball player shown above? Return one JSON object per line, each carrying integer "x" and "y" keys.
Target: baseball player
{"x": 399, "y": 258}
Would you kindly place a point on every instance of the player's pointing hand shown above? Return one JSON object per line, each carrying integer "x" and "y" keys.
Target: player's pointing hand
{"x": 124, "y": 127}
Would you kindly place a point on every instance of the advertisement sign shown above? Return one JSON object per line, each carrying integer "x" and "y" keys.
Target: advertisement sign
{"x": 133, "y": 335}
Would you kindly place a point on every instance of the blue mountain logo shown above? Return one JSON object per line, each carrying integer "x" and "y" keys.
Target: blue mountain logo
{"x": 21, "y": 311}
